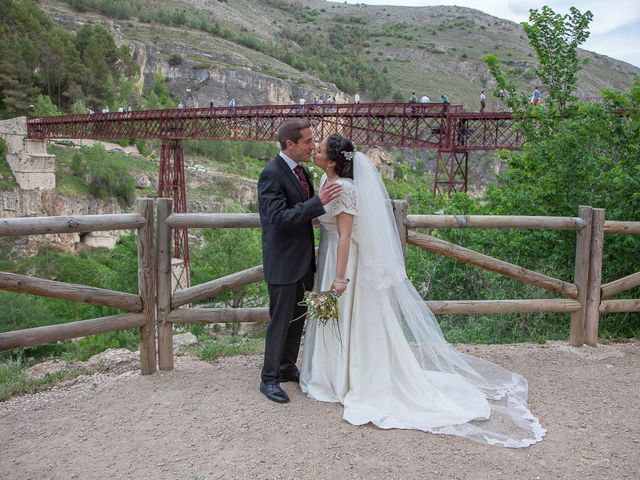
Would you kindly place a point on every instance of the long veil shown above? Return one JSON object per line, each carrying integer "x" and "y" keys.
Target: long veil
{"x": 381, "y": 266}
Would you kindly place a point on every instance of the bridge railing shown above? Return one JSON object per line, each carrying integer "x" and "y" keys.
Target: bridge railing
{"x": 141, "y": 307}
{"x": 251, "y": 122}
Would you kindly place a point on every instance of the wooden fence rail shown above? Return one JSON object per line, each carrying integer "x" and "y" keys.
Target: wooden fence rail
{"x": 144, "y": 302}
{"x": 494, "y": 221}
{"x": 69, "y": 291}
{"x": 73, "y": 224}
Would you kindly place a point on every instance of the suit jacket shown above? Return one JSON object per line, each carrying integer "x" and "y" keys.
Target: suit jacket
{"x": 287, "y": 232}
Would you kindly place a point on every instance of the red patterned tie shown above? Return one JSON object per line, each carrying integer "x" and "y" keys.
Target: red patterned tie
{"x": 303, "y": 181}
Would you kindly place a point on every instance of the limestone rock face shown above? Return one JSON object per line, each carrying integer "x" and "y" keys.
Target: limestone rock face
{"x": 37, "y": 203}
{"x": 144, "y": 180}
{"x": 383, "y": 163}
{"x": 213, "y": 71}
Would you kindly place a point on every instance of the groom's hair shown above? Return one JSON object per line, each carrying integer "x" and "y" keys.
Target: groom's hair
{"x": 291, "y": 130}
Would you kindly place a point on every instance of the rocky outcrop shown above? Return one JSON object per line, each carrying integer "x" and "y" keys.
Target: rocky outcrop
{"x": 383, "y": 163}
{"x": 108, "y": 360}
{"x": 35, "y": 203}
{"x": 206, "y": 73}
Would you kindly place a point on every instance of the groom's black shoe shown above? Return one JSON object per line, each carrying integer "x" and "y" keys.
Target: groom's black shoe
{"x": 290, "y": 377}
{"x": 274, "y": 392}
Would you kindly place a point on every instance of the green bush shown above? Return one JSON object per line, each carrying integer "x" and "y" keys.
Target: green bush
{"x": 175, "y": 59}
{"x": 106, "y": 174}
{"x": 44, "y": 107}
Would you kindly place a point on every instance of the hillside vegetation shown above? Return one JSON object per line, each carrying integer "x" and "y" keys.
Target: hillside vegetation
{"x": 303, "y": 47}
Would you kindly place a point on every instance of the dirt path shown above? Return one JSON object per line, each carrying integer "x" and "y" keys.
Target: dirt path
{"x": 208, "y": 421}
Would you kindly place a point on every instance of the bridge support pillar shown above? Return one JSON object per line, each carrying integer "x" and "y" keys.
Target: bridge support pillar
{"x": 452, "y": 168}
{"x": 172, "y": 185}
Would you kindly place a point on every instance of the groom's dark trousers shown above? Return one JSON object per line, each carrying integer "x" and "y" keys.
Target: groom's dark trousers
{"x": 288, "y": 260}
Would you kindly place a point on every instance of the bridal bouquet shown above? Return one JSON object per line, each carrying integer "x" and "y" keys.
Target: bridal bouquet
{"x": 323, "y": 306}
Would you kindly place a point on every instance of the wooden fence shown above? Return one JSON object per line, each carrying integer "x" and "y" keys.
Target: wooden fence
{"x": 585, "y": 297}
{"x": 141, "y": 306}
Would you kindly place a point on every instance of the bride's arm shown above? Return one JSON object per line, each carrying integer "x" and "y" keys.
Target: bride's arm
{"x": 345, "y": 224}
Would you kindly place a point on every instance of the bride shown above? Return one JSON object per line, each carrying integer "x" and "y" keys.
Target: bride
{"x": 386, "y": 361}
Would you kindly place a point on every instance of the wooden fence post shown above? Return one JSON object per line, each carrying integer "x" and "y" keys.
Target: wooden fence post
{"x": 592, "y": 316}
{"x": 400, "y": 214}
{"x": 163, "y": 255}
{"x": 147, "y": 288}
{"x": 581, "y": 276}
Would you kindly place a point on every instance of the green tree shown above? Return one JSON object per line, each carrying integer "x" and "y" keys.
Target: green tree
{"x": 44, "y": 107}
{"x": 39, "y": 57}
{"x": 78, "y": 107}
{"x": 555, "y": 38}
{"x": 158, "y": 96}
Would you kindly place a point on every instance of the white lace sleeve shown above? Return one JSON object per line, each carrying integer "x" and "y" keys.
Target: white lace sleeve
{"x": 346, "y": 202}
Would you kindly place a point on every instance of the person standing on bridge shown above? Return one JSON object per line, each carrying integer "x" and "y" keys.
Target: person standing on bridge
{"x": 483, "y": 99}
{"x": 287, "y": 207}
{"x": 413, "y": 100}
{"x": 536, "y": 97}
{"x": 445, "y": 102}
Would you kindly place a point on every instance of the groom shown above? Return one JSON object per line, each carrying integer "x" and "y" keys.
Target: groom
{"x": 287, "y": 207}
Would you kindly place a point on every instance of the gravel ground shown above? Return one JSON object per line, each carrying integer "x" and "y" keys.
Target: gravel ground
{"x": 208, "y": 421}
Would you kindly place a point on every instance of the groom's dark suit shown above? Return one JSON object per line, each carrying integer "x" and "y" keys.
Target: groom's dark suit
{"x": 289, "y": 262}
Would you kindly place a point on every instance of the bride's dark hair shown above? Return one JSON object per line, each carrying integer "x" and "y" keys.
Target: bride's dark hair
{"x": 336, "y": 146}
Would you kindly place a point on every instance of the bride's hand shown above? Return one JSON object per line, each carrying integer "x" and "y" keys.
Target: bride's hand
{"x": 339, "y": 286}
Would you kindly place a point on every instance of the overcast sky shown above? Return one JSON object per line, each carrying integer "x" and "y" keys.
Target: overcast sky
{"x": 615, "y": 28}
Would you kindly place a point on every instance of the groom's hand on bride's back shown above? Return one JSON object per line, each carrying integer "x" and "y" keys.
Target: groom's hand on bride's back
{"x": 329, "y": 193}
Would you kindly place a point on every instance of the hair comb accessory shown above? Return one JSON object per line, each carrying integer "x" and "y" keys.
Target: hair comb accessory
{"x": 349, "y": 155}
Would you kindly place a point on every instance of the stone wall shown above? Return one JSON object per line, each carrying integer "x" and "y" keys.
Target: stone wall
{"x": 32, "y": 166}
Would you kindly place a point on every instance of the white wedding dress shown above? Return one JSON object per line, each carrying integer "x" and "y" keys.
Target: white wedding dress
{"x": 386, "y": 360}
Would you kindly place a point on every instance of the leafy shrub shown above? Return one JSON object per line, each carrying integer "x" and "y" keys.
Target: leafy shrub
{"x": 44, "y": 107}
{"x": 175, "y": 59}
{"x": 106, "y": 174}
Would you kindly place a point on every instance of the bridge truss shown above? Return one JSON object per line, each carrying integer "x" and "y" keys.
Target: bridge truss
{"x": 446, "y": 128}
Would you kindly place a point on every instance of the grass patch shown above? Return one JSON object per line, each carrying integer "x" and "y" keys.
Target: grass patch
{"x": 215, "y": 346}
{"x": 227, "y": 346}
{"x": 13, "y": 382}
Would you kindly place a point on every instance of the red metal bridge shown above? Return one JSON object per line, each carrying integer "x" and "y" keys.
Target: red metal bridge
{"x": 446, "y": 128}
